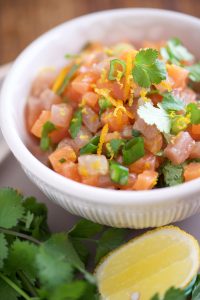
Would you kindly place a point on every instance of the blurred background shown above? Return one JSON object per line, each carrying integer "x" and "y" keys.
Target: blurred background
{"x": 21, "y": 21}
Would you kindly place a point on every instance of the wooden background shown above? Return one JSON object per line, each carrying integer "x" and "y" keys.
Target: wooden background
{"x": 21, "y": 21}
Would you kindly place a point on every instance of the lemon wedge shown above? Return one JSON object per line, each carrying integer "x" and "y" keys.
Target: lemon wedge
{"x": 149, "y": 264}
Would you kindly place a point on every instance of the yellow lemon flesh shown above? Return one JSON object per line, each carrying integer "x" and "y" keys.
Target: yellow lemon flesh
{"x": 149, "y": 264}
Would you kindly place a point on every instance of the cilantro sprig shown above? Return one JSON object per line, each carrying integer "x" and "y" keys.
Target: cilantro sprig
{"x": 148, "y": 69}
{"x": 38, "y": 265}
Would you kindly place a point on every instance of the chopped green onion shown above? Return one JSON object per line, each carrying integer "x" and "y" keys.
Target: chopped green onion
{"x": 113, "y": 147}
{"x": 62, "y": 160}
{"x": 91, "y": 147}
{"x": 133, "y": 150}
{"x": 178, "y": 124}
{"x": 136, "y": 133}
{"x": 116, "y": 65}
{"x": 104, "y": 104}
{"x": 75, "y": 123}
{"x": 118, "y": 173}
{"x": 67, "y": 79}
{"x": 45, "y": 141}
{"x": 194, "y": 111}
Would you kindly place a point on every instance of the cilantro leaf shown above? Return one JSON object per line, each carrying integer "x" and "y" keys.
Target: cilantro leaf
{"x": 75, "y": 123}
{"x": 193, "y": 109}
{"x": 38, "y": 226}
{"x": 171, "y": 294}
{"x": 85, "y": 229}
{"x": 155, "y": 116}
{"x": 52, "y": 262}
{"x": 6, "y": 292}
{"x": 3, "y": 249}
{"x": 110, "y": 239}
{"x": 73, "y": 291}
{"x": 148, "y": 69}
{"x": 194, "y": 72}
{"x": 173, "y": 175}
{"x": 175, "y": 52}
{"x": 196, "y": 289}
{"x": 22, "y": 257}
{"x": 80, "y": 248}
{"x": 45, "y": 141}
{"x": 11, "y": 209}
{"x": 170, "y": 102}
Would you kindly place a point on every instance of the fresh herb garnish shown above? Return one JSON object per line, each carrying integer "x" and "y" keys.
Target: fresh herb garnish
{"x": 155, "y": 116}
{"x": 173, "y": 175}
{"x": 75, "y": 123}
{"x": 171, "y": 294}
{"x": 91, "y": 146}
{"x": 194, "y": 72}
{"x": 71, "y": 56}
{"x": 47, "y": 266}
{"x": 148, "y": 69}
{"x": 67, "y": 79}
{"x": 45, "y": 141}
{"x": 133, "y": 150}
{"x": 175, "y": 52}
{"x": 116, "y": 66}
{"x": 118, "y": 173}
{"x": 194, "y": 111}
{"x": 170, "y": 102}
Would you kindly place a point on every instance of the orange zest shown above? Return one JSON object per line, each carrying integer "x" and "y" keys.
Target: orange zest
{"x": 104, "y": 132}
{"x": 59, "y": 80}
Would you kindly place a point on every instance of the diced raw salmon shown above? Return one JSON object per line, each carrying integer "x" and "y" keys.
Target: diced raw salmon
{"x": 83, "y": 137}
{"x": 187, "y": 95}
{"x": 43, "y": 81}
{"x": 146, "y": 181}
{"x": 194, "y": 131}
{"x": 83, "y": 82}
{"x": 90, "y": 119}
{"x": 112, "y": 135}
{"x": 91, "y": 99}
{"x": 115, "y": 123}
{"x": 192, "y": 171}
{"x": 180, "y": 148}
{"x": 178, "y": 75}
{"x": 70, "y": 170}
{"x": 66, "y": 154}
{"x": 92, "y": 164}
{"x": 39, "y": 123}
{"x": 195, "y": 153}
{"x": 147, "y": 162}
{"x": 149, "y": 131}
{"x": 61, "y": 114}
{"x": 155, "y": 144}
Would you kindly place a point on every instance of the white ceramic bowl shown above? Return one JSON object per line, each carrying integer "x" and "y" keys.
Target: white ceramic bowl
{"x": 116, "y": 208}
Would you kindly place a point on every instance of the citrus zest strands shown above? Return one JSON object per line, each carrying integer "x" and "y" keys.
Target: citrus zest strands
{"x": 104, "y": 132}
{"x": 59, "y": 80}
{"x": 129, "y": 65}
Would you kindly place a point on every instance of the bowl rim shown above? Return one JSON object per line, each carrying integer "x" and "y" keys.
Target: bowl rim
{"x": 64, "y": 185}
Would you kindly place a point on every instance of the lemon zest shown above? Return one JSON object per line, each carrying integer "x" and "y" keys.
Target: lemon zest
{"x": 104, "y": 132}
{"x": 62, "y": 112}
{"x": 103, "y": 76}
{"x": 83, "y": 137}
{"x": 59, "y": 80}
{"x": 83, "y": 102}
{"x": 83, "y": 171}
{"x": 96, "y": 165}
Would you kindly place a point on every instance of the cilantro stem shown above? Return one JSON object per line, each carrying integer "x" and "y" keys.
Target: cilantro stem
{"x": 14, "y": 286}
{"x": 27, "y": 283}
{"x": 21, "y": 235}
{"x": 86, "y": 239}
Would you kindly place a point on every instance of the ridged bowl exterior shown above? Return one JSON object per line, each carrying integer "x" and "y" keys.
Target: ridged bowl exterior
{"x": 117, "y": 216}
